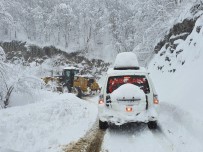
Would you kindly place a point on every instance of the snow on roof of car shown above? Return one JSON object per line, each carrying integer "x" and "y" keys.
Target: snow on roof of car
{"x": 126, "y": 59}
{"x": 71, "y": 68}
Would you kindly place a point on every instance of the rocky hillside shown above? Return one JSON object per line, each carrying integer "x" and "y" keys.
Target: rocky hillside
{"x": 177, "y": 73}
{"x": 172, "y": 49}
{"x": 50, "y": 58}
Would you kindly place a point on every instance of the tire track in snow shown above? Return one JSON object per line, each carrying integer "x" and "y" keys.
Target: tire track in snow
{"x": 135, "y": 137}
{"x": 176, "y": 128}
{"x": 165, "y": 142}
{"x": 91, "y": 142}
{"x": 182, "y": 118}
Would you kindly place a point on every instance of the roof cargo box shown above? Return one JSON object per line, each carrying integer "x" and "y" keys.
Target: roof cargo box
{"x": 126, "y": 61}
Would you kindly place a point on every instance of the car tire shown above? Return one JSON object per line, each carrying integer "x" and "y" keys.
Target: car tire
{"x": 152, "y": 124}
{"x": 103, "y": 125}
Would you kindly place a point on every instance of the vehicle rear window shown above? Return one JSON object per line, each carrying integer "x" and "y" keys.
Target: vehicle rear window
{"x": 116, "y": 81}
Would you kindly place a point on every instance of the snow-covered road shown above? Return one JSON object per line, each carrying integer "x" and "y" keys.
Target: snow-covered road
{"x": 174, "y": 134}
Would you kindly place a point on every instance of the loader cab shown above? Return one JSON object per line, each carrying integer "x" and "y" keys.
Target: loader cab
{"x": 68, "y": 76}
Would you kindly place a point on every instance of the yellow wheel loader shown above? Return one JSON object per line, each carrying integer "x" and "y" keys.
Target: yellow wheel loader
{"x": 81, "y": 85}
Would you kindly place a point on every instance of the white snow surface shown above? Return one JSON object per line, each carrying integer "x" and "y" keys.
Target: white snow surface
{"x": 126, "y": 59}
{"x": 127, "y": 91}
{"x": 48, "y": 125}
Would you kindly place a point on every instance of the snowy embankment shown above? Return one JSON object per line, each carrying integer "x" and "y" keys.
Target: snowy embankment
{"x": 184, "y": 87}
{"x": 180, "y": 92}
{"x": 47, "y": 125}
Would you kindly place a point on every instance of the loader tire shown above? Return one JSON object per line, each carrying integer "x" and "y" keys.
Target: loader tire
{"x": 79, "y": 93}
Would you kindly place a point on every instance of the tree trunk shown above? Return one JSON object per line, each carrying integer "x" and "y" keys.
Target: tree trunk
{"x": 8, "y": 94}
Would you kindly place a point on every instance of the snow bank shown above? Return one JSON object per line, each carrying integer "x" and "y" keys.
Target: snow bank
{"x": 47, "y": 125}
{"x": 128, "y": 91}
{"x": 126, "y": 59}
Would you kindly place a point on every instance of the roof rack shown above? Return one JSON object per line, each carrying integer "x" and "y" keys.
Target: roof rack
{"x": 126, "y": 68}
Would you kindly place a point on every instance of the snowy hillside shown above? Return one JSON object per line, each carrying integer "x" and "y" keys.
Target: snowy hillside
{"x": 178, "y": 81}
{"x": 99, "y": 28}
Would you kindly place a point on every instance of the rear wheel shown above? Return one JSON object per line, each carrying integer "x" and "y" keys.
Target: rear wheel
{"x": 79, "y": 93}
{"x": 152, "y": 124}
{"x": 103, "y": 125}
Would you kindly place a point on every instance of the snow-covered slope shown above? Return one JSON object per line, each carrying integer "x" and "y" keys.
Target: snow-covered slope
{"x": 46, "y": 126}
{"x": 182, "y": 88}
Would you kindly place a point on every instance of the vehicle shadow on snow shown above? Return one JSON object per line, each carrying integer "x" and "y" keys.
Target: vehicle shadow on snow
{"x": 131, "y": 128}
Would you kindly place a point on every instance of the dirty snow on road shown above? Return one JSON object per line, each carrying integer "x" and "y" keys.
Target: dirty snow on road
{"x": 48, "y": 125}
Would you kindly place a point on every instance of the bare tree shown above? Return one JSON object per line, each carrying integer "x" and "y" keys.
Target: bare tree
{"x": 14, "y": 79}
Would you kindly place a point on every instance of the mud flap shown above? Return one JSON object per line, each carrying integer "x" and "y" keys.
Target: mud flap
{"x": 147, "y": 103}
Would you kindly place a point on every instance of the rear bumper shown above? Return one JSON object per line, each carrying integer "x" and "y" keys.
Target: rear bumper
{"x": 119, "y": 118}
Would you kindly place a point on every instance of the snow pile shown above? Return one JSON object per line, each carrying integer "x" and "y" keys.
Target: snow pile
{"x": 121, "y": 59}
{"x": 20, "y": 82}
{"x": 128, "y": 91}
{"x": 46, "y": 126}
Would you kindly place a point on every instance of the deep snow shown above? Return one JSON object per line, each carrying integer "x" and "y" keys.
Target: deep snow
{"x": 47, "y": 125}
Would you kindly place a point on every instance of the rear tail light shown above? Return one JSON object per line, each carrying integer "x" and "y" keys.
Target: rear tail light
{"x": 156, "y": 100}
{"x": 101, "y": 101}
{"x": 129, "y": 109}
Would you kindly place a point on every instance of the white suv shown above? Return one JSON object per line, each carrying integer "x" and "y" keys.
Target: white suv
{"x": 128, "y": 95}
